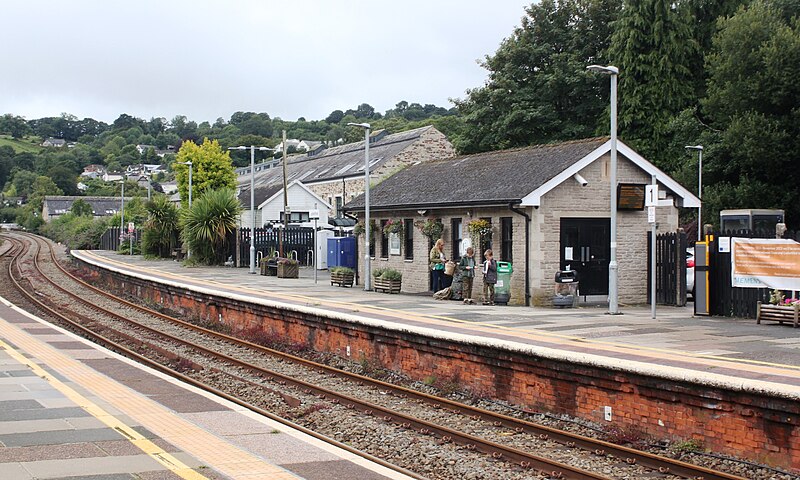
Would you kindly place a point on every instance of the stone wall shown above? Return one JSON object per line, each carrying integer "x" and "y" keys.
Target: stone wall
{"x": 745, "y": 423}
{"x": 416, "y": 272}
{"x": 571, "y": 200}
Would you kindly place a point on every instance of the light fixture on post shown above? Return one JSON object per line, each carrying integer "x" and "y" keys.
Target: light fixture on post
{"x": 367, "y": 273}
{"x": 189, "y": 163}
{"x": 252, "y": 199}
{"x": 699, "y": 149}
{"x": 122, "y": 210}
{"x": 613, "y": 293}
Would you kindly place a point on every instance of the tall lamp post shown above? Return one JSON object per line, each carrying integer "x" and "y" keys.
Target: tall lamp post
{"x": 367, "y": 233}
{"x": 189, "y": 163}
{"x": 122, "y": 210}
{"x": 699, "y": 149}
{"x": 252, "y": 199}
{"x": 613, "y": 293}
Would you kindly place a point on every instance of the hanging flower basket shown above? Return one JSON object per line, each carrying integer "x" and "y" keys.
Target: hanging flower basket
{"x": 431, "y": 228}
{"x": 393, "y": 226}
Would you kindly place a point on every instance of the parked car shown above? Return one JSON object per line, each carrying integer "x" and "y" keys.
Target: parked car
{"x": 690, "y": 271}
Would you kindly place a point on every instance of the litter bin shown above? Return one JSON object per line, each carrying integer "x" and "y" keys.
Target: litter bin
{"x": 502, "y": 289}
{"x": 566, "y": 292}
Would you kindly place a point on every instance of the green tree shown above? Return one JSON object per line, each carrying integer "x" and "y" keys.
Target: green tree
{"x": 538, "y": 89}
{"x": 14, "y": 125}
{"x": 211, "y": 168}
{"x": 652, "y": 46}
{"x": 208, "y": 223}
{"x": 754, "y": 103}
{"x": 80, "y": 208}
{"x": 160, "y": 233}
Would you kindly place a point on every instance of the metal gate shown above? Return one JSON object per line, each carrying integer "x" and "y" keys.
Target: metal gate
{"x": 670, "y": 268}
{"x": 297, "y": 241}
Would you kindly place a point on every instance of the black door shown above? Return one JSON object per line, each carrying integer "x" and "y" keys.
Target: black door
{"x": 586, "y": 248}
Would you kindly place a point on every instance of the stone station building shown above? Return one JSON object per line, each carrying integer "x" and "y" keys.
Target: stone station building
{"x": 548, "y": 207}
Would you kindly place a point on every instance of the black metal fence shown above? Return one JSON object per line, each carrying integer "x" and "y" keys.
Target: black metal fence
{"x": 670, "y": 268}
{"x": 726, "y": 300}
{"x": 111, "y": 238}
{"x": 297, "y": 241}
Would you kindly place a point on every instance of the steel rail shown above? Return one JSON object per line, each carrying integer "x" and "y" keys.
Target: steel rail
{"x": 114, "y": 346}
{"x": 497, "y": 451}
{"x": 661, "y": 464}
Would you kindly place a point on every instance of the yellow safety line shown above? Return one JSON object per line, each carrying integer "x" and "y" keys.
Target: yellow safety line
{"x": 421, "y": 317}
{"x": 154, "y": 451}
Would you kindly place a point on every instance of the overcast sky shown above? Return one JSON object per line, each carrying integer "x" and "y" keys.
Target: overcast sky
{"x": 207, "y": 59}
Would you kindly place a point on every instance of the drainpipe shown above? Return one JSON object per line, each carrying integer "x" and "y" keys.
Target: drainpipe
{"x": 527, "y": 251}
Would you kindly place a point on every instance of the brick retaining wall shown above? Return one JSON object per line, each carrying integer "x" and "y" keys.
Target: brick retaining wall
{"x": 750, "y": 425}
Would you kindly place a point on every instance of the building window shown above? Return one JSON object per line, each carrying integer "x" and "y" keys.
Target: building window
{"x": 338, "y": 206}
{"x": 298, "y": 217}
{"x": 506, "y": 238}
{"x": 408, "y": 238}
{"x": 457, "y": 238}
{"x": 384, "y": 240}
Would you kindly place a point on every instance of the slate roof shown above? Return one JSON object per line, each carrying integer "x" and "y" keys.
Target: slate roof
{"x": 337, "y": 162}
{"x": 491, "y": 178}
{"x": 99, "y": 204}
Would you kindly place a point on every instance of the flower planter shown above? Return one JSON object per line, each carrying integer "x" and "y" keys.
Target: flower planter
{"x": 342, "y": 279}
{"x": 288, "y": 270}
{"x": 778, "y": 313}
{"x": 386, "y": 286}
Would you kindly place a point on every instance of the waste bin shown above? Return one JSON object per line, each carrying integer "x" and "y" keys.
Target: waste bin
{"x": 566, "y": 291}
{"x": 502, "y": 289}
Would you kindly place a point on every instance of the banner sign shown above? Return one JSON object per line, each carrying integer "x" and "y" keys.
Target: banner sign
{"x": 765, "y": 263}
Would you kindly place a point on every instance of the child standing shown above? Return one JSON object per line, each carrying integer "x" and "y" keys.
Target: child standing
{"x": 489, "y": 277}
{"x": 467, "y": 264}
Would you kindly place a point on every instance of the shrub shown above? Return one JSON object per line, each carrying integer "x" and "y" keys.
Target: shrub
{"x": 391, "y": 274}
{"x": 378, "y": 272}
{"x": 160, "y": 233}
{"x": 208, "y": 222}
{"x": 342, "y": 271}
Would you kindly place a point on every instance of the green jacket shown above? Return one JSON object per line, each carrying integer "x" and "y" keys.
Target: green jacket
{"x": 434, "y": 257}
{"x": 467, "y": 262}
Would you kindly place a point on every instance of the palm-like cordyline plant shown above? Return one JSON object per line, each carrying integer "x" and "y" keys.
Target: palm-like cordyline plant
{"x": 160, "y": 234}
{"x": 207, "y": 224}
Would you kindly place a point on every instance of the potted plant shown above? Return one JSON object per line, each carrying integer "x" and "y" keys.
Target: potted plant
{"x": 431, "y": 228}
{"x": 359, "y": 228}
{"x": 389, "y": 280}
{"x": 480, "y": 231}
{"x": 342, "y": 276}
{"x": 393, "y": 226}
{"x": 288, "y": 268}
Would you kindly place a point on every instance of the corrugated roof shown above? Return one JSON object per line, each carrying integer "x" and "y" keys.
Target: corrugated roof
{"x": 100, "y": 205}
{"x": 332, "y": 163}
{"x": 485, "y": 178}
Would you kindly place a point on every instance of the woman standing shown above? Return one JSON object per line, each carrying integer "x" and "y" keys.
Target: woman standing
{"x": 437, "y": 261}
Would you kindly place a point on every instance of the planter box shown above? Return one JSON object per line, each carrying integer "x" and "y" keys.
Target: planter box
{"x": 288, "y": 270}
{"x": 342, "y": 279}
{"x": 386, "y": 286}
{"x": 778, "y": 313}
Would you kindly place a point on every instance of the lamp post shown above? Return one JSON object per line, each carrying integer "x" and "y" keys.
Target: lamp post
{"x": 613, "y": 294}
{"x": 252, "y": 200}
{"x": 367, "y": 273}
{"x": 699, "y": 149}
{"x": 189, "y": 163}
{"x": 122, "y": 210}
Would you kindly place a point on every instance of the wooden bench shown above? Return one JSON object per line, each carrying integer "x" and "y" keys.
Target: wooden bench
{"x": 778, "y": 313}
{"x": 178, "y": 254}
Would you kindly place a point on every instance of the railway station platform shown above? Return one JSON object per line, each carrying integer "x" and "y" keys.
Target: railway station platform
{"x": 728, "y": 384}
{"x": 72, "y": 409}
{"x": 732, "y": 348}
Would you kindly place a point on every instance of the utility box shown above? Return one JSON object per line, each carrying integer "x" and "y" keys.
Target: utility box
{"x": 321, "y": 248}
{"x": 342, "y": 252}
{"x": 566, "y": 291}
{"x": 502, "y": 289}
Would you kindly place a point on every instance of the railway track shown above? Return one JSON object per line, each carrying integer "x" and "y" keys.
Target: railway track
{"x": 141, "y": 337}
